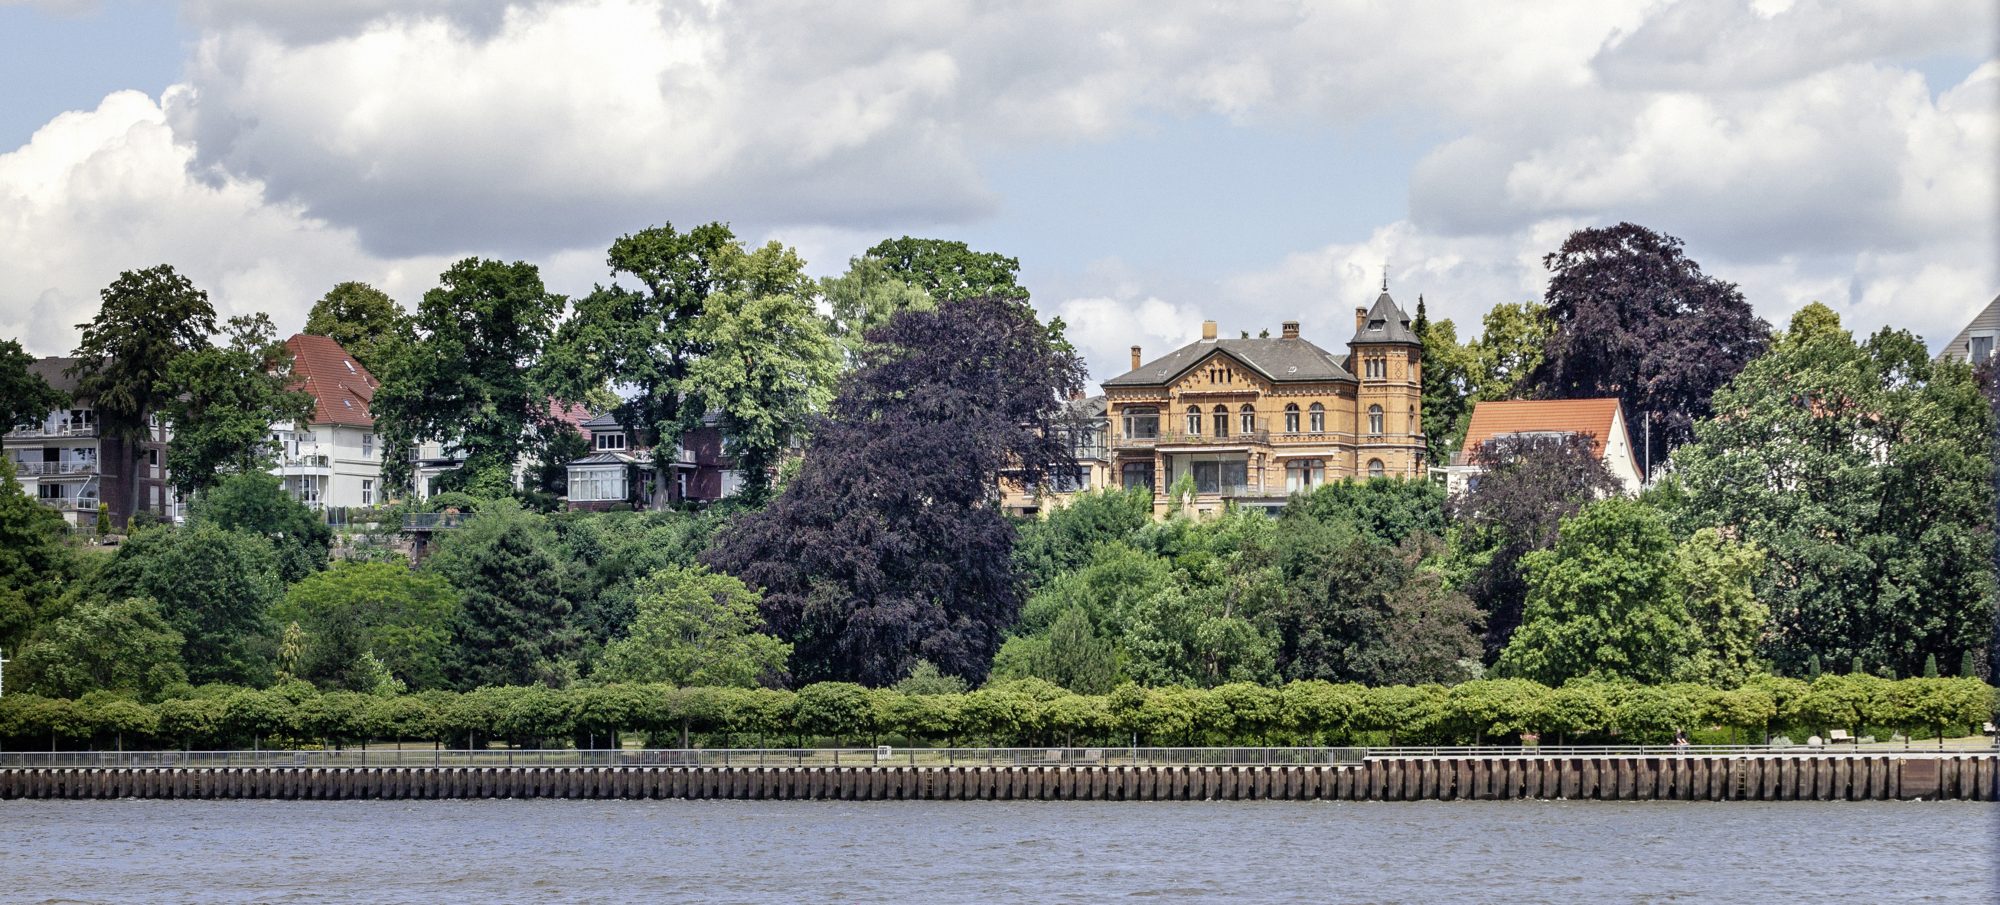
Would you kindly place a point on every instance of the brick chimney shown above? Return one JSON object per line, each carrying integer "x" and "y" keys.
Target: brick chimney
{"x": 1291, "y": 330}
{"x": 1360, "y": 318}
{"x": 1207, "y": 330}
{"x": 1135, "y": 358}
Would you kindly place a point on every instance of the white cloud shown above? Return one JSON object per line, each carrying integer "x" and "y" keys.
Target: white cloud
{"x": 1788, "y": 142}
{"x": 100, "y": 191}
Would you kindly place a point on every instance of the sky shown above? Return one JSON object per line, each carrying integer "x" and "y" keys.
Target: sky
{"x": 1150, "y": 164}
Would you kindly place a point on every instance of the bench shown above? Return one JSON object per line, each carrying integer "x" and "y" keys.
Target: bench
{"x": 1839, "y": 736}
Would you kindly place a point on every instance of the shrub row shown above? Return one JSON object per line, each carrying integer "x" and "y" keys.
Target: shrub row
{"x": 1029, "y": 713}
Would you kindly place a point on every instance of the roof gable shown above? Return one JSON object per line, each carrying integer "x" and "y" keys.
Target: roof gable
{"x": 1597, "y": 418}
{"x": 341, "y": 388}
{"x": 1385, "y": 323}
{"x": 1277, "y": 360}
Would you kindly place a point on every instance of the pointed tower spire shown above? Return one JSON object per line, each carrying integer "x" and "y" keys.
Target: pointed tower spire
{"x": 1385, "y": 276}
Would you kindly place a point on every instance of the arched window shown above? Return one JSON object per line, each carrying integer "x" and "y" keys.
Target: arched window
{"x": 1194, "y": 420}
{"x": 1291, "y": 417}
{"x": 1374, "y": 468}
{"x": 1317, "y": 415}
{"x": 1249, "y": 417}
{"x": 1222, "y": 421}
{"x": 1374, "y": 419}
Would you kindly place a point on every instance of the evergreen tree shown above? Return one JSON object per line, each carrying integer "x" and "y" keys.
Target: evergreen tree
{"x": 511, "y": 627}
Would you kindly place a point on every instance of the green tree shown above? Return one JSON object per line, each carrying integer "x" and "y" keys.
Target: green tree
{"x": 950, "y": 271}
{"x": 1508, "y": 350}
{"x": 695, "y": 627}
{"x": 1607, "y": 601}
{"x": 768, "y": 364}
{"x": 512, "y": 624}
{"x": 644, "y": 338}
{"x": 1356, "y": 609}
{"x": 214, "y": 586}
{"x": 1068, "y": 537}
{"x": 1071, "y": 653}
{"x": 363, "y": 320}
{"x": 1726, "y": 615}
{"x": 148, "y": 319}
{"x": 256, "y": 502}
{"x": 25, "y": 396}
{"x": 866, "y": 297}
{"x": 1446, "y": 379}
{"x": 1862, "y": 470}
{"x": 222, "y": 401}
{"x": 356, "y": 614}
{"x": 104, "y": 645}
{"x": 467, "y": 378}
{"x": 1383, "y": 510}
{"x": 35, "y": 565}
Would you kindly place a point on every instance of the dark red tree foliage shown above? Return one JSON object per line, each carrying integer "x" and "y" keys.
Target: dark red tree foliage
{"x": 888, "y": 547}
{"x": 1636, "y": 318}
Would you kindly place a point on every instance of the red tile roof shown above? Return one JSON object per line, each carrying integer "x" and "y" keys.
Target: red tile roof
{"x": 341, "y": 388}
{"x": 1595, "y": 417}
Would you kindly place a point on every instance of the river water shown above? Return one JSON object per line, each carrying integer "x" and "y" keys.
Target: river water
{"x": 979, "y": 852}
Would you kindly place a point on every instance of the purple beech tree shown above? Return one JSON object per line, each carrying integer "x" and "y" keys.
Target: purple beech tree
{"x": 1635, "y": 318}
{"x": 887, "y": 548}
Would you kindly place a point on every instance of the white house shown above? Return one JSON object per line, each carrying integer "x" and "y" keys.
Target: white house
{"x": 1980, "y": 338}
{"x": 336, "y": 459}
{"x": 1602, "y": 420}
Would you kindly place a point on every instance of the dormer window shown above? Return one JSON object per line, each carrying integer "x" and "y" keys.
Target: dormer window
{"x": 610, "y": 441}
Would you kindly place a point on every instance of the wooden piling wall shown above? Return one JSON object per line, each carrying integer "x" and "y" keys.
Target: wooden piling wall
{"x": 1971, "y": 777}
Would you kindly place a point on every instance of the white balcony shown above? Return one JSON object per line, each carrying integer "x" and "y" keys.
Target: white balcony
{"x": 65, "y": 429}
{"x": 55, "y": 469}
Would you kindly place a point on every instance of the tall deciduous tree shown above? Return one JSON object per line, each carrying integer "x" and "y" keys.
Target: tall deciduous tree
{"x": 104, "y": 645}
{"x": 695, "y": 627}
{"x": 1359, "y": 609}
{"x": 466, "y": 379}
{"x": 950, "y": 271}
{"x": 356, "y": 612}
{"x": 256, "y": 502}
{"x": 1635, "y": 318}
{"x": 213, "y": 586}
{"x": 363, "y": 320}
{"x": 148, "y": 319}
{"x": 767, "y": 365}
{"x": 1530, "y": 484}
{"x": 1864, "y": 471}
{"x": 24, "y": 395}
{"x": 1606, "y": 601}
{"x": 887, "y": 547}
{"x": 222, "y": 401}
{"x": 643, "y": 338}
{"x": 35, "y": 565}
{"x": 866, "y": 297}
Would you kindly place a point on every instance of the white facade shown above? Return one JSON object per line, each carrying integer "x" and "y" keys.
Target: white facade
{"x": 325, "y": 465}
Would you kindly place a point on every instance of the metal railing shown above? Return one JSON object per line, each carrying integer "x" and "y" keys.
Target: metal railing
{"x": 29, "y": 432}
{"x": 313, "y": 460}
{"x": 430, "y": 521}
{"x": 55, "y": 468}
{"x": 918, "y": 757}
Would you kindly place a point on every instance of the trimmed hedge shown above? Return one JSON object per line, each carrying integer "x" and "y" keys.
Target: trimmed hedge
{"x": 1025, "y": 713}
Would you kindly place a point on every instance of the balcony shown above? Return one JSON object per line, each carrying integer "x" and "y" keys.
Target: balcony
{"x": 1239, "y": 438}
{"x": 304, "y": 463}
{"x": 55, "y": 469}
{"x": 37, "y": 431}
{"x": 71, "y": 504}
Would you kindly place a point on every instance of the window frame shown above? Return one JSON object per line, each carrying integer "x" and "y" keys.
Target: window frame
{"x": 1375, "y": 421}
{"x": 1316, "y": 418}
{"x": 1291, "y": 417}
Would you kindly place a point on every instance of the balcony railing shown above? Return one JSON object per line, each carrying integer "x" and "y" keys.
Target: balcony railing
{"x": 53, "y": 469}
{"x": 72, "y": 504}
{"x": 1235, "y": 438}
{"x": 305, "y": 461}
{"x": 31, "y": 431}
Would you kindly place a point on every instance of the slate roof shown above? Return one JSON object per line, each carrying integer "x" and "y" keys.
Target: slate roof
{"x": 1385, "y": 323}
{"x": 1595, "y": 417}
{"x": 341, "y": 388}
{"x": 51, "y": 369}
{"x": 1280, "y": 360}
